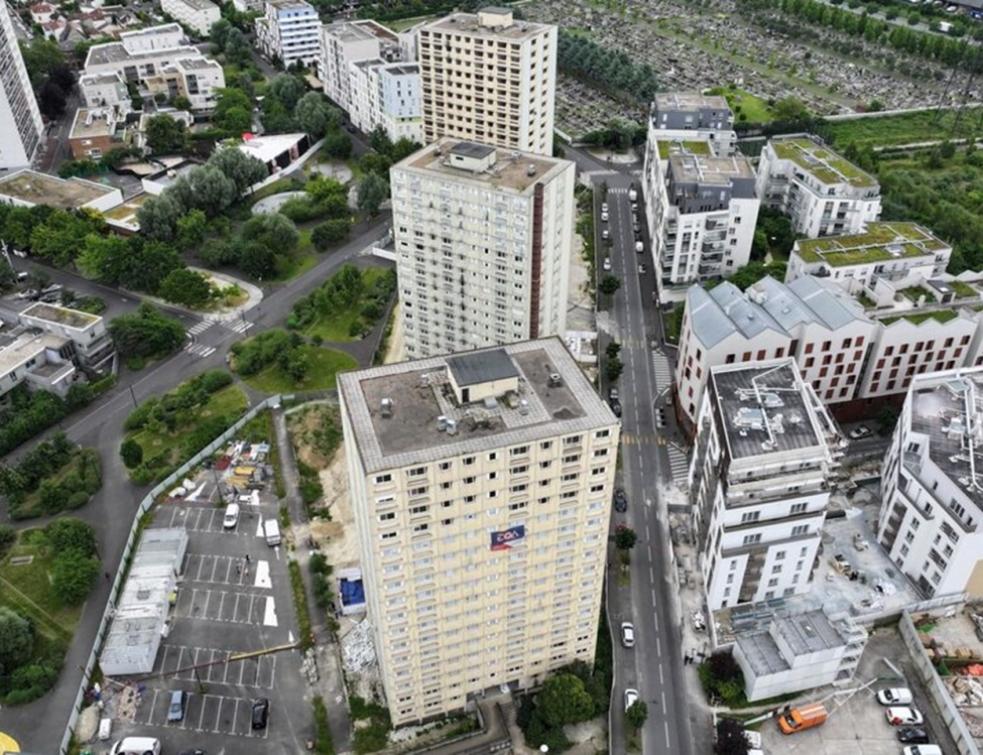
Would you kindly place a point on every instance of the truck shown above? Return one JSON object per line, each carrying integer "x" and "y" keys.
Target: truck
{"x": 271, "y": 531}
{"x": 802, "y": 717}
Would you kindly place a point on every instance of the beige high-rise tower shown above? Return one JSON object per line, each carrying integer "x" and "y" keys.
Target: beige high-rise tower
{"x": 481, "y": 485}
{"x": 489, "y": 78}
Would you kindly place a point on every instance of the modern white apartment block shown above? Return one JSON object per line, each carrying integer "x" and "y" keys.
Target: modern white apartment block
{"x": 489, "y": 78}
{"x": 20, "y": 119}
{"x": 101, "y": 90}
{"x": 198, "y": 79}
{"x": 289, "y": 32}
{"x": 163, "y": 37}
{"x": 931, "y": 490}
{"x": 798, "y": 652}
{"x": 893, "y": 252}
{"x": 684, "y": 116}
{"x": 197, "y": 15}
{"x": 765, "y": 448}
{"x": 823, "y": 193}
{"x": 810, "y": 320}
{"x": 386, "y": 95}
{"x": 702, "y": 213}
{"x": 345, "y": 42}
{"x": 480, "y": 485}
{"x": 482, "y": 238}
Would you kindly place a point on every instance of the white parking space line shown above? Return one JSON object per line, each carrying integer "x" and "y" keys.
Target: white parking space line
{"x": 262, "y": 578}
{"x": 269, "y": 616}
{"x": 153, "y": 703}
{"x": 259, "y": 527}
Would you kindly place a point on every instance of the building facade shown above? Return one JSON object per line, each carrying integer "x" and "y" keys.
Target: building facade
{"x": 765, "y": 448}
{"x": 197, "y": 15}
{"x": 289, "y": 32}
{"x": 104, "y": 90}
{"x": 482, "y": 239}
{"x": 931, "y": 492}
{"x": 20, "y": 119}
{"x": 482, "y": 518}
{"x": 489, "y": 78}
{"x": 823, "y": 193}
{"x": 345, "y": 42}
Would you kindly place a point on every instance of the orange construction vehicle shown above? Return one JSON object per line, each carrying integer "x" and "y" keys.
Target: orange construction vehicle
{"x": 802, "y": 717}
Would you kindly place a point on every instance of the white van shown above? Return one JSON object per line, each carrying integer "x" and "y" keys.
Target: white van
{"x": 271, "y": 531}
{"x": 136, "y": 746}
{"x": 231, "y": 518}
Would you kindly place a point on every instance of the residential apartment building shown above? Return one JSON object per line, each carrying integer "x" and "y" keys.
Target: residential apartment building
{"x": 163, "y": 37}
{"x": 895, "y": 252}
{"x": 823, "y": 193}
{"x": 289, "y": 32}
{"x": 197, "y": 79}
{"x": 386, "y": 95}
{"x": 483, "y": 237}
{"x": 489, "y": 78}
{"x": 481, "y": 486}
{"x": 702, "y": 213}
{"x": 20, "y": 119}
{"x": 95, "y": 131}
{"x": 100, "y": 90}
{"x": 197, "y": 15}
{"x": 692, "y": 116}
{"x": 345, "y": 42}
{"x": 765, "y": 448}
{"x": 931, "y": 491}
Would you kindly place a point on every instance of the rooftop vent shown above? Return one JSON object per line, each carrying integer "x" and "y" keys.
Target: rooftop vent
{"x": 894, "y": 250}
{"x": 386, "y": 408}
{"x": 530, "y": 169}
{"x": 441, "y": 423}
{"x": 452, "y": 427}
{"x": 555, "y": 381}
{"x": 523, "y": 407}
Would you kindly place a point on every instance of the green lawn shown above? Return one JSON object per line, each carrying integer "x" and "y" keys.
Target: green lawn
{"x": 402, "y": 24}
{"x": 229, "y": 401}
{"x": 907, "y": 128}
{"x": 336, "y": 326}
{"x": 964, "y": 290}
{"x": 302, "y": 260}
{"x": 942, "y": 315}
{"x": 744, "y": 103}
{"x": 324, "y": 365}
{"x": 27, "y": 588}
{"x": 673, "y": 322}
{"x": 914, "y": 293}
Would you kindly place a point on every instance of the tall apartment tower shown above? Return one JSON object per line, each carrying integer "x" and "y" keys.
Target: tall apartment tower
{"x": 20, "y": 119}
{"x": 482, "y": 240}
{"x": 480, "y": 484}
{"x": 290, "y": 31}
{"x": 932, "y": 489}
{"x": 490, "y": 79}
{"x": 765, "y": 447}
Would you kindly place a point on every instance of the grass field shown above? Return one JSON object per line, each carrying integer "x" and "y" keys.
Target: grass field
{"x": 324, "y": 365}
{"x": 744, "y": 103}
{"x": 908, "y": 128}
{"x": 336, "y": 326}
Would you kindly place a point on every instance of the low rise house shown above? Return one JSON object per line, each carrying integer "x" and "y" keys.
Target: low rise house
{"x": 276, "y": 151}
{"x": 95, "y": 131}
{"x": 197, "y": 15}
{"x": 27, "y": 188}
{"x": 101, "y": 90}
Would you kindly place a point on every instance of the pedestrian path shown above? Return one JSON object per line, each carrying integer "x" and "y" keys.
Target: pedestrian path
{"x": 663, "y": 370}
{"x": 678, "y": 463}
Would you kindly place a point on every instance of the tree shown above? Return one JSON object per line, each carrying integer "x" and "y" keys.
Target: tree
{"x": 132, "y": 453}
{"x": 274, "y": 231}
{"x": 187, "y": 287}
{"x": 887, "y": 418}
{"x": 330, "y": 232}
{"x": 16, "y": 640}
{"x": 337, "y": 144}
{"x": 609, "y": 284}
{"x": 730, "y": 738}
{"x": 257, "y": 260}
{"x": 723, "y": 667}
{"x": 8, "y": 278}
{"x": 218, "y": 34}
{"x": 244, "y": 170}
{"x": 158, "y": 217}
{"x": 72, "y": 575}
{"x": 613, "y": 368}
{"x": 71, "y": 534}
{"x": 233, "y": 111}
{"x": 624, "y": 538}
{"x": 41, "y": 57}
{"x": 211, "y": 190}
{"x": 789, "y": 110}
{"x": 755, "y": 271}
{"x": 315, "y": 115}
{"x": 637, "y": 713}
{"x": 165, "y": 135}
{"x": 372, "y": 192}
{"x": 564, "y": 700}
{"x": 51, "y": 100}
{"x": 64, "y": 76}
{"x": 286, "y": 89}
{"x": 146, "y": 332}
{"x": 192, "y": 229}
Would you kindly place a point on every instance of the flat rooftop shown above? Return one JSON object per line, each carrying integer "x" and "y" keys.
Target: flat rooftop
{"x": 512, "y": 170}
{"x": 40, "y": 188}
{"x": 667, "y": 101}
{"x": 881, "y": 242}
{"x": 25, "y": 347}
{"x": 114, "y": 52}
{"x": 668, "y": 147}
{"x": 199, "y": 4}
{"x": 72, "y": 318}
{"x": 360, "y": 31}
{"x": 421, "y": 392}
{"x": 92, "y": 123}
{"x": 402, "y": 69}
{"x": 467, "y": 24}
{"x": 708, "y": 169}
{"x": 805, "y": 633}
{"x": 152, "y": 31}
{"x": 822, "y": 163}
{"x": 764, "y": 410}
{"x": 197, "y": 64}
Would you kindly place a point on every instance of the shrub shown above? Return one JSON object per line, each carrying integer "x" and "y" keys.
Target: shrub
{"x": 72, "y": 576}
{"x": 70, "y": 534}
{"x": 8, "y": 536}
{"x": 132, "y": 453}
{"x": 300, "y": 604}
{"x": 322, "y": 732}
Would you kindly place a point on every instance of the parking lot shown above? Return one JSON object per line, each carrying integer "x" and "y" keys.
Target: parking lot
{"x": 229, "y": 622}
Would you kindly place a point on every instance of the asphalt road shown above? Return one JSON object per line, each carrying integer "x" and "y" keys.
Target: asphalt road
{"x": 654, "y": 665}
{"x": 112, "y": 509}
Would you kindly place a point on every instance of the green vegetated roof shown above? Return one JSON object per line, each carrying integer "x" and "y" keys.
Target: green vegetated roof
{"x": 942, "y": 315}
{"x": 826, "y": 165}
{"x": 691, "y": 146}
{"x": 880, "y": 242}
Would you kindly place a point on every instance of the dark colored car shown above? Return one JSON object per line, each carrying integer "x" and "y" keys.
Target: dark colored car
{"x": 912, "y": 735}
{"x": 620, "y": 501}
{"x": 261, "y": 712}
{"x": 615, "y": 407}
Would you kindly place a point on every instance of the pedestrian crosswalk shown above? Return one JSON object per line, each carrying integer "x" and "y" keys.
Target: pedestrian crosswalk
{"x": 663, "y": 370}
{"x": 200, "y": 350}
{"x": 617, "y": 190}
{"x": 239, "y": 326}
{"x": 201, "y": 327}
{"x": 678, "y": 463}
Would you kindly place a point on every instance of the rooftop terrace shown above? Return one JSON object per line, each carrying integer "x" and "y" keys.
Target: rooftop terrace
{"x": 690, "y": 101}
{"x": 825, "y": 165}
{"x": 881, "y": 242}
{"x": 72, "y": 318}
{"x": 40, "y": 188}
{"x": 706, "y": 169}
{"x": 683, "y": 146}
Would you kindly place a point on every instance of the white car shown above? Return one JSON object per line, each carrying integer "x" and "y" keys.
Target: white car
{"x": 627, "y": 634}
{"x": 604, "y": 206}
{"x": 604, "y": 217}
{"x": 605, "y": 234}
{"x": 904, "y": 716}
{"x": 136, "y": 746}
{"x": 894, "y": 696}
{"x": 631, "y": 696}
{"x": 639, "y": 247}
{"x": 607, "y": 265}
{"x": 922, "y": 750}
{"x": 860, "y": 432}
{"x": 231, "y": 518}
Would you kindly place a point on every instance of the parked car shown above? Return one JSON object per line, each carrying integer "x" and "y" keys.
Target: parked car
{"x": 894, "y": 696}
{"x": 192, "y": 752}
{"x": 639, "y": 247}
{"x": 627, "y": 635}
{"x": 912, "y": 735}
{"x": 231, "y": 518}
{"x": 261, "y": 713}
{"x": 605, "y": 234}
{"x": 642, "y": 269}
{"x": 615, "y": 407}
{"x": 613, "y": 392}
{"x": 631, "y": 695}
{"x": 175, "y": 712}
{"x": 606, "y": 266}
{"x": 620, "y": 500}
{"x": 904, "y": 716}
{"x": 632, "y": 195}
{"x": 860, "y": 432}
{"x": 922, "y": 750}
{"x": 604, "y": 217}
{"x": 136, "y": 746}
{"x": 604, "y": 206}
{"x": 28, "y": 293}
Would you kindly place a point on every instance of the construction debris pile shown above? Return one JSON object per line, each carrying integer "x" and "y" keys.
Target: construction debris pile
{"x": 357, "y": 650}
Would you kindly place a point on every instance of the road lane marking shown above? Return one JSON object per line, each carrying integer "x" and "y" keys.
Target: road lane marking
{"x": 662, "y": 678}
{"x": 666, "y": 725}
{"x": 658, "y": 646}
{"x": 269, "y": 616}
{"x": 262, "y": 578}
